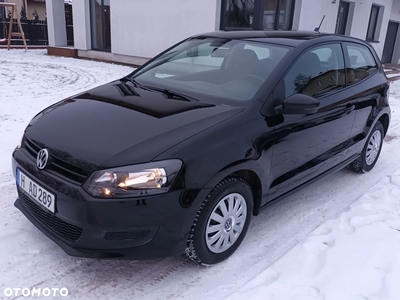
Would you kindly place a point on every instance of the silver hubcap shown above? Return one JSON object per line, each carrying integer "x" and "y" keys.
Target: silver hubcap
{"x": 226, "y": 223}
{"x": 373, "y": 147}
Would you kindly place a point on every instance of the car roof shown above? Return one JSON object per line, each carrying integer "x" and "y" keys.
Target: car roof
{"x": 282, "y": 37}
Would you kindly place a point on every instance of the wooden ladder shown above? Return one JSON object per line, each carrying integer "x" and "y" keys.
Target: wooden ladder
{"x": 14, "y": 12}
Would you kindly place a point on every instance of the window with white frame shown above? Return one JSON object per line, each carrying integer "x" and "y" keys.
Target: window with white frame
{"x": 374, "y": 23}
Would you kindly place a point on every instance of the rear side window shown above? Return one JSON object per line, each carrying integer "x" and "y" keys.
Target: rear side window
{"x": 361, "y": 63}
{"x": 316, "y": 72}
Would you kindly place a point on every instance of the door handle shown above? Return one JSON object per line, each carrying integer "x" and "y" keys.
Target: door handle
{"x": 349, "y": 108}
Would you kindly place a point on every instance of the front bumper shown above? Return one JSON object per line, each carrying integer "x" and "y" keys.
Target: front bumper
{"x": 139, "y": 228}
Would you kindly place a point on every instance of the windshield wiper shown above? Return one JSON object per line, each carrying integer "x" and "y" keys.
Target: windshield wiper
{"x": 172, "y": 94}
{"x": 136, "y": 84}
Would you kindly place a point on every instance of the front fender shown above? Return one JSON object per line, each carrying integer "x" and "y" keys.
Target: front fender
{"x": 252, "y": 173}
{"x": 249, "y": 165}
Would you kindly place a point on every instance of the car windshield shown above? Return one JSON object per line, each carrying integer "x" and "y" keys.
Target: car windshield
{"x": 224, "y": 69}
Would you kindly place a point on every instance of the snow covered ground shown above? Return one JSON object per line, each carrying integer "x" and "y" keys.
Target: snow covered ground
{"x": 353, "y": 256}
{"x": 339, "y": 239}
{"x": 393, "y": 74}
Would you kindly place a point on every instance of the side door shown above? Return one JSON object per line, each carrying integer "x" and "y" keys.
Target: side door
{"x": 369, "y": 84}
{"x": 307, "y": 145}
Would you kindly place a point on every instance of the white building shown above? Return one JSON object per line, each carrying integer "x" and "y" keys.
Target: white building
{"x": 132, "y": 31}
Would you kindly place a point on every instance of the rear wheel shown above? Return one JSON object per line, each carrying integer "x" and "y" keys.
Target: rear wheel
{"x": 221, "y": 222}
{"x": 371, "y": 151}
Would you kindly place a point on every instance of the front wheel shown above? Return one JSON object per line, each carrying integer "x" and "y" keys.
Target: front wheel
{"x": 371, "y": 151}
{"x": 221, "y": 222}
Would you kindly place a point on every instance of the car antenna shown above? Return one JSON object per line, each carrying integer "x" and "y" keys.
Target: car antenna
{"x": 319, "y": 27}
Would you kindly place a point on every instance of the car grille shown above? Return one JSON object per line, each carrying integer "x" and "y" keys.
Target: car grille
{"x": 125, "y": 235}
{"x": 65, "y": 230}
{"x": 57, "y": 165}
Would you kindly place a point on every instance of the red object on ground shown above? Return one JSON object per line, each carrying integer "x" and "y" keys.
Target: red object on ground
{"x": 3, "y": 40}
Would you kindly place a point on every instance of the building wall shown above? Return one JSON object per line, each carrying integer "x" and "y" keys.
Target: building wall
{"x": 40, "y": 8}
{"x": 19, "y": 3}
{"x": 56, "y": 23}
{"x": 143, "y": 28}
{"x": 81, "y": 19}
{"x": 361, "y": 20}
{"x": 311, "y": 13}
{"x": 31, "y": 6}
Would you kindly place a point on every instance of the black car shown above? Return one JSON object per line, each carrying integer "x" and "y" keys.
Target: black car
{"x": 179, "y": 155}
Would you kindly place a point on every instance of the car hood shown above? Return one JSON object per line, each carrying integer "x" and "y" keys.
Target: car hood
{"x": 118, "y": 124}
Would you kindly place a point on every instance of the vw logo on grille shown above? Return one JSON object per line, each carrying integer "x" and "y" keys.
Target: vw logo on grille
{"x": 41, "y": 159}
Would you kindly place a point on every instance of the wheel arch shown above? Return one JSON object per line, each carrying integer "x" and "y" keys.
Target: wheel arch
{"x": 385, "y": 119}
{"x": 255, "y": 183}
{"x": 252, "y": 177}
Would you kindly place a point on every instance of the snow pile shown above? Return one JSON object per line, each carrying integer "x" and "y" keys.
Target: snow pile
{"x": 354, "y": 256}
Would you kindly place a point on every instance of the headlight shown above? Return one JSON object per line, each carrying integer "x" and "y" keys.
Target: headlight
{"x": 136, "y": 180}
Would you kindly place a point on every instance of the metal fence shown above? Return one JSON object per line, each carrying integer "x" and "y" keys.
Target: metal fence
{"x": 35, "y": 31}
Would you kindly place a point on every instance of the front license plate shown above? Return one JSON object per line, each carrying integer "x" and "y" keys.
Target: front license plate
{"x": 36, "y": 192}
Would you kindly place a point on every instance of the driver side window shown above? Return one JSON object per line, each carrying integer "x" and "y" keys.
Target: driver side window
{"x": 317, "y": 72}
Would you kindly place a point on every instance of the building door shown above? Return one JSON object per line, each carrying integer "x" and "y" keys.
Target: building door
{"x": 343, "y": 16}
{"x": 100, "y": 24}
{"x": 390, "y": 42}
{"x": 69, "y": 24}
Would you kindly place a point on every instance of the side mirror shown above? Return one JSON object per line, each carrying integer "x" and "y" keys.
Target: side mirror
{"x": 298, "y": 104}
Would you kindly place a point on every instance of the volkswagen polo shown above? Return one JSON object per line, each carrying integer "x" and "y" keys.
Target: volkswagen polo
{"x": 178, "y": 156}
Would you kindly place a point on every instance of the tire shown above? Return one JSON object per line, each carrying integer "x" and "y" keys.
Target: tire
{"x": 232, "y": 224}
{"x": 372, "y": 149}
